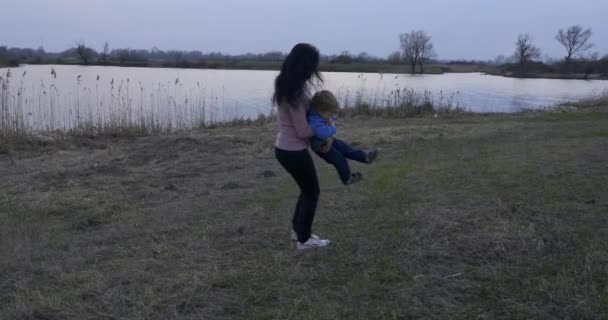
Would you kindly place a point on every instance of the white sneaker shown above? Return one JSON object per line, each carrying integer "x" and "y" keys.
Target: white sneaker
{"x": 312, "y": 243}
{"x": 294, "y": 236}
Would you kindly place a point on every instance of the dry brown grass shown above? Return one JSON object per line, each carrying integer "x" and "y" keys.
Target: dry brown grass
{"x": 400, "y": 103}
{"x": 88, "y": 114}
{"x": 595, "y": 101}
{"x": 12, "y": 125}
{"x": 474, "y": 217}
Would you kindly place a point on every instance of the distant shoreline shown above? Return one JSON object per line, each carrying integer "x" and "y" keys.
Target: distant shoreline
{"x": 276, "y": 66}
{"x": 555, "y": 76}
{"x": 431, "y": 69}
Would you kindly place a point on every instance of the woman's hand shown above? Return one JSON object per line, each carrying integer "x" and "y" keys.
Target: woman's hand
{"x": 326, "y": 146}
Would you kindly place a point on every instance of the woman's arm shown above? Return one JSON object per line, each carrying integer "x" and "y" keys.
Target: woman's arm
{"x": 298, "y": 116}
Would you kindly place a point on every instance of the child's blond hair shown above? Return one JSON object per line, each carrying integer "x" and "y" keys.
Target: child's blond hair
{"x": 325, "y": 101}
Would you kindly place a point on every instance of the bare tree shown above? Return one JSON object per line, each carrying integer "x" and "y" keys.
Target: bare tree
{"x": 575, "y": 40}
{"x": 40, "y": 55}
{"x": 408, "y": 49}
{"x": 85, "y": 54}
{"x": 500, "y": 60}
{"x": 177, "y": 56}
{"x": 603, "y": 63}
{"x": 416, "y": 48}
{"x": 123, "y": 55}
{"x": 363, "y": 56}
{"x": 425, "y": 48}
{"x": 394, "y": 57}
{"x": 595, "y": 56}
{"x": 525, "y": 51}
{"x": 105, "y": 53}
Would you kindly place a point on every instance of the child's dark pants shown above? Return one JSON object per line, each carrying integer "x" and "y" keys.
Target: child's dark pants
{"x": 337, "y": 155}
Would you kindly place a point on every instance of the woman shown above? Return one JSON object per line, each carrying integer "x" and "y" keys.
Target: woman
{"x": 292, "y": 98}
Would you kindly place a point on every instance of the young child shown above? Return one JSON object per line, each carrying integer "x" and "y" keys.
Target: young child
{"x": 322, "y": 120}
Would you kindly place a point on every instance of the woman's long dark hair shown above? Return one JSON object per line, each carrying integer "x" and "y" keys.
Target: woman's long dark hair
{"x": 299, "y": 69}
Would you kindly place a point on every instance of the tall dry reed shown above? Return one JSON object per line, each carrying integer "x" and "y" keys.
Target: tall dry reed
{"x": 12, "y": 124}
{"x": 134, "y": 109}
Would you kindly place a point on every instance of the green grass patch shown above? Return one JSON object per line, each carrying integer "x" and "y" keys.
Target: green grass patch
{"x": 600, "y": 133}
{"x": 571, "y": 116}
{"x": 481, "y": 217}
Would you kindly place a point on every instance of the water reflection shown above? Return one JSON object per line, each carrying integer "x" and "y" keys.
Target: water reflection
{"x": 54, "y": 97}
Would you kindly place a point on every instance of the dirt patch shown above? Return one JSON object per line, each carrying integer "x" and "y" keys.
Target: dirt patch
{"x": 231, "y": 186}
{"x": 267, "y": 174}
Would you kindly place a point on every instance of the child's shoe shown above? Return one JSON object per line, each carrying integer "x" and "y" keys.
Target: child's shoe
{"x": 355, "y": 178}
{"x": 371, "y": 156}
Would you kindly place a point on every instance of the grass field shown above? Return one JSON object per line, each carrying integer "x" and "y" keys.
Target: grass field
{"x": 472, "y": 217}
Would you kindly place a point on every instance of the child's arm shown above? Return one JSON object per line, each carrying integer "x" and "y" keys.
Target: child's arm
{"x": 299, "y": 118}
{"x": 320, "y": 127}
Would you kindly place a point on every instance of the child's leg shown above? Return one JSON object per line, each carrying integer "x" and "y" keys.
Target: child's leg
{"x": 349, "y": 152}
{"x": 316, "y": 143}
{"x": 335, "y": 158}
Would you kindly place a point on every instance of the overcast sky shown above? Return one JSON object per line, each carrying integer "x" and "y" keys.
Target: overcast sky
{"x": 461, "y": 29}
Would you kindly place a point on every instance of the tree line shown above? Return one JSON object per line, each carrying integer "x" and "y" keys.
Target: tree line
{"x": 576, "y": 42}
{"x": 416, "y": 49}
{"x": 82, "y": 53}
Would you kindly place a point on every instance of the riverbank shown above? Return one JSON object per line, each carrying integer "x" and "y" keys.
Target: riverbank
{"x": 562, "y": 76}
{"x": 493, "y": 216}
{"x": 433, "y": 69}
{"x": 276, "y": 65}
